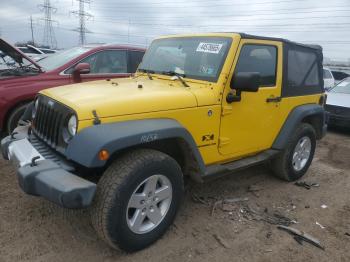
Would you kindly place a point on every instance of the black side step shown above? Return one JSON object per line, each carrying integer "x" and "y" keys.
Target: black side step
{"x": 218, "y": 170}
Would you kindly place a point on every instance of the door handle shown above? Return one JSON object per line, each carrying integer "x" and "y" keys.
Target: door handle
{"x": 273, "y": 99}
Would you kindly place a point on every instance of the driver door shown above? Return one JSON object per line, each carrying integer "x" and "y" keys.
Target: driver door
{"x": 250, "y": 125}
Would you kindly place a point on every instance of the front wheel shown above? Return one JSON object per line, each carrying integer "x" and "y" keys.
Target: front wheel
{"x": 137, "y": 199}
{"x": 293, "y": 162}
{"x": 14, "y": 117}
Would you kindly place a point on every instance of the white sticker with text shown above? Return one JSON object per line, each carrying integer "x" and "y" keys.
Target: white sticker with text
{"x": 209, "y": 48}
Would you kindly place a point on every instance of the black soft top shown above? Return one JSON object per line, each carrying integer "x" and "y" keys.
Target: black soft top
{"x": 248, "y": 36}
{"x": 302, "y": 67}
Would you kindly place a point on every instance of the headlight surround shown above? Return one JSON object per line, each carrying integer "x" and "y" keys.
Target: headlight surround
{"x": 35, "y": 108}
{"x": 72, "y": 125}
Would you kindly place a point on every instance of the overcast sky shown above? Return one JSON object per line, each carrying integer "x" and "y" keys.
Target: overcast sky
{"x": 310, "y": 21}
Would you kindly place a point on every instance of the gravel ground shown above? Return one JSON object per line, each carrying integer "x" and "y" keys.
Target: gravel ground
{"x": 32, "y": 229}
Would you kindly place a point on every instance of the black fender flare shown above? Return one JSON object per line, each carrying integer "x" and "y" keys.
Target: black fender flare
{"x": 113, "y": 137}
{"x": 294, "y": 118}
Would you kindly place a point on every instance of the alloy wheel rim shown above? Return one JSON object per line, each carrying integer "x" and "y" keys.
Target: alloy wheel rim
{"x": 149, "y": 204}
{"x": 301, "y": 154}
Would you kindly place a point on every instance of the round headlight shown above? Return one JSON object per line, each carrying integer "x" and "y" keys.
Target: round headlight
{"x": 35, "y": 108}
{"x": 72, "y": 125}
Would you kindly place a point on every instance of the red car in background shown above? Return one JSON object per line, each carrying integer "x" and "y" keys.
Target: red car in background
{"x": 21, "y": 78}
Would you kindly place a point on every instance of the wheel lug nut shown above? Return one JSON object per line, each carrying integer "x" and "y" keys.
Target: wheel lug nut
{"x": 155, "y": 199}
{"x": 142, "y": 202}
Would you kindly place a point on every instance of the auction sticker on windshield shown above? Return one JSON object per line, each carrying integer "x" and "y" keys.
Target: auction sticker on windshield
{"x": 209, "y": 48}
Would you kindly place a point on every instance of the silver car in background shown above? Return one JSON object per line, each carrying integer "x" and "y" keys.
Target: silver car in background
{"x": 338, "y": 104}
{"x": 328, "y": 79}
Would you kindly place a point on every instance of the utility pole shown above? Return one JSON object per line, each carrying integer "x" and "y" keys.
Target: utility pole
{"x": 31, "y": 29}
{"x": 83, "y": 17}
{"x": 49, "y": 35}
{"x": 129, "y": 30}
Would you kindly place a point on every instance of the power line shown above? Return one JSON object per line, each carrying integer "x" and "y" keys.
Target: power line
{"x": 236, "y": 20}
{"x": 138, "y": 5}
{"x": 49, "y": 38}
{"x": 292, "y": 12}
{"x": 154, "y": 35}
{"x": 83, "y": 16}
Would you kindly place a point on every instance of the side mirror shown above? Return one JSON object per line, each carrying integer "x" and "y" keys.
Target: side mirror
{"x": 82, "y": 68}
{"x": 246, "y": 82}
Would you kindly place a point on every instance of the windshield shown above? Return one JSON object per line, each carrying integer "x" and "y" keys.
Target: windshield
{"x": 342, "y": 87}
{"x": 194, "y": 57}
{"x": 59, "y": 59}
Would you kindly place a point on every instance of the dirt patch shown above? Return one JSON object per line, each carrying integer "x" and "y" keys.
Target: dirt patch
{"x": 32, "y": 229}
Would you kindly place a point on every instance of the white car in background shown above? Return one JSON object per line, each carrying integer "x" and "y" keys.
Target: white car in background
{"x": 328, "y": 79}
{"x": 36, "y": 53}
{"x": 338, "y": 104}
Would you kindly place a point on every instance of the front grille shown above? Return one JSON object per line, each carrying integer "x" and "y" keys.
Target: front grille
{"x": 49, "y": 122}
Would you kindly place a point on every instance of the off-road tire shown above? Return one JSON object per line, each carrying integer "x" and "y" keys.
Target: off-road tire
{"x": 14, "y": 117}
{"x": 118, "y": 183}
{"x": 282, "y": 165}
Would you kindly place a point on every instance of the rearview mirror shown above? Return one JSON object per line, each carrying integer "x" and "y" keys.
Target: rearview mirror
{"x": 81, "y": 68}
{"x": 246, "y": 82}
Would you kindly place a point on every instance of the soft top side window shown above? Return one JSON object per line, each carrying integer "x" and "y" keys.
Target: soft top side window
{"x": 303, "y": 73}
{"x": 259, "y": 58}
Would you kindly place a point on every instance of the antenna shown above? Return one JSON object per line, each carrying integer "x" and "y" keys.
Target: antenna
{"x": 49, "y": 38}
{"x": 83, "y": 16}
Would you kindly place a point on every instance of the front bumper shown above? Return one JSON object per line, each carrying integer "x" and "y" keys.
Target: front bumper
{"x": 44, "y": 177}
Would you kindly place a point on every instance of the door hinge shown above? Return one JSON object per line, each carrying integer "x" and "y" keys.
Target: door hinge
{"x": 226, "y": 110}
{"x": 223, "y": 141}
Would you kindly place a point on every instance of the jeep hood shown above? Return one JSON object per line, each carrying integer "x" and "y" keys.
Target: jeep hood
{"x": 123, "y": 97}
{"x": 8, "y": 50}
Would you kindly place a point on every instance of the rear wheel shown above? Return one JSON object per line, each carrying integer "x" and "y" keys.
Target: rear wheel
{"x": 14, "y": 117}
{"x": 296, "y": 158}
{"x": 137, "y": 199}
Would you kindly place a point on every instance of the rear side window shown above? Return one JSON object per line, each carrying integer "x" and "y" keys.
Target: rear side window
{"x": 135, "y": 58}
{"x": 302, "y": 71}
{"x": 261, "y": 59}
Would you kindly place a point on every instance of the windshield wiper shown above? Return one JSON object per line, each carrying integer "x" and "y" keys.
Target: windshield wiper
{"x": 178, "y": 75}
{"x": 148, "y": 72}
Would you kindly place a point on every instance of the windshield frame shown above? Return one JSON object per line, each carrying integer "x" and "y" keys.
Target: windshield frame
{"x": 212, "y": 79}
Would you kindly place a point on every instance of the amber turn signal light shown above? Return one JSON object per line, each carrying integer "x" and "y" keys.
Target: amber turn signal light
{"x": 103, "y": 155}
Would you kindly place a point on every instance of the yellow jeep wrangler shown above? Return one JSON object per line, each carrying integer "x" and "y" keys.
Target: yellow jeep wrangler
{"x": 200, "y": 105}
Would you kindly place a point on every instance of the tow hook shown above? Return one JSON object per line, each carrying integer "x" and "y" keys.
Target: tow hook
{"x": 13, "y": 135}
{"x": 33, "y": 161}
